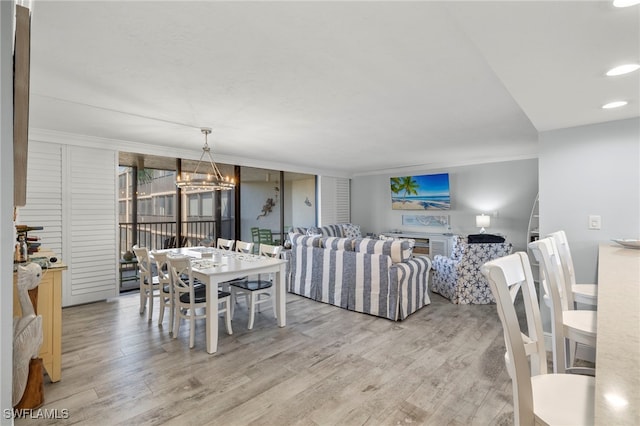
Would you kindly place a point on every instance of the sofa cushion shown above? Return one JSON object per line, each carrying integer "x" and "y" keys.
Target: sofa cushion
{"x": 298, "y": 230}
{"x": 399, "y": 251}
{"x": 351, "y": 231}
{"x": 305, "y": 240}
{"x": 337, "y": 243}
{"x": 313, "y": 231}
{"x": 331, "y": 231}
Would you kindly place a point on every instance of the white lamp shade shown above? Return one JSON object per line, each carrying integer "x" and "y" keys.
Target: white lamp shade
{"x": 483, "y": 221}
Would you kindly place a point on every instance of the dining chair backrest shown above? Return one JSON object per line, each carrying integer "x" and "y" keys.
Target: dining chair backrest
{"x": 244, "y": 247}
{"x": 225, "y": 244}
{"x": 255, "y": 235}
{"x": 552, "y": 277}
{"x": 164, "y": 275}
{"x": 144, "y": 263}
{"x": 526, "y": 353}
{"x": 182, "y": 275}
{"x": 562, "y": 245}
{"x": 270, "y": 250}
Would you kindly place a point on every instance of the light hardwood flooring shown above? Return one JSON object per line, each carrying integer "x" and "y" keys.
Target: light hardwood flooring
{"x": 444, "y": 365}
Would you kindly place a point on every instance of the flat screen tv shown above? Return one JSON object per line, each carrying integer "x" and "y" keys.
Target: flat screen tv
{"x": 422, "y": 192}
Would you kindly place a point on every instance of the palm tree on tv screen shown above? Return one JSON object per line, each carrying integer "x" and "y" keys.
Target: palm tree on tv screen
{"x": 406, "y": 184}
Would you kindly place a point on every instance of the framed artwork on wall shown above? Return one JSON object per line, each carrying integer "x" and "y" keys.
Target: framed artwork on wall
{"x": 422, "y": 192}
{"x": 425, "y": 220}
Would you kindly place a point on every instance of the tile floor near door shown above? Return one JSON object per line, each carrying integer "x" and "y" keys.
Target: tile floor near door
{"x": 444, "y": 365}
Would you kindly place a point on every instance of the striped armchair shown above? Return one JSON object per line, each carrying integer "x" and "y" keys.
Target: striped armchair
{"x": 365, "y": 275}
{"x": 458, "y": 278}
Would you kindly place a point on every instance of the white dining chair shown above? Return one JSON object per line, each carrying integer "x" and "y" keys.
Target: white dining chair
{"x": 568, "y": 325}
{"x": 149, "y": 283}
{"x": 586, "y": 294}
{"x": 189, "y": 297}
{"x": 538, "y": 397}
{"x": 165, "y": 287}
{"x": 259, "y": 291}
{"x": 244, "y": 247}
{"x": 225, "y": 244}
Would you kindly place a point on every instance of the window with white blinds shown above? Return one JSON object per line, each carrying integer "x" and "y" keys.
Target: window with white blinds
{"x": 335, "y": 200}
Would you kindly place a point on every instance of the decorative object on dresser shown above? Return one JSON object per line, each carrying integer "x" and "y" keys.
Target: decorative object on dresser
{"x": 372, "y": 276}
{"x": 28, "y": 387}
{"x": 458, "y": 277}
{"x": 48, "y": 305}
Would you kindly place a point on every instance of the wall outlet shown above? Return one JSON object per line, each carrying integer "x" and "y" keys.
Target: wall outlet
{"x": 595, "y": 222}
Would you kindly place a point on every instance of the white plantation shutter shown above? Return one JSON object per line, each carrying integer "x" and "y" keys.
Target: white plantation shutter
{"x": 73, "y": 189}
{"x": 44, "y": 194}
{"x": 335, "y": 201}
{"x": 91, "y": 224}
{"x": 343, "y": 201}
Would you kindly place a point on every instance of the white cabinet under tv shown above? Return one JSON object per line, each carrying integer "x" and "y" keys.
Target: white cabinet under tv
{"x": 429, "y": 243}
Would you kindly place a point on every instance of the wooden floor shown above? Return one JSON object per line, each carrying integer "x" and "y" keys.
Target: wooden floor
{"x": 444, "y": 365}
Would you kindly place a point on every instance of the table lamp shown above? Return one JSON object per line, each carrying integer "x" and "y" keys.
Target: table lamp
{"x": 483, "y": 221}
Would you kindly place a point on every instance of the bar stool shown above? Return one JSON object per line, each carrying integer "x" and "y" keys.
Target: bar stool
{"x": 586, "y": 294}
{"x": 568, "y": 325}
{"x": 538, "y": 397}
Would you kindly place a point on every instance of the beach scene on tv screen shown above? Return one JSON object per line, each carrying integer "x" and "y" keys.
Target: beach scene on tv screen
{"x": 423, "y": 192}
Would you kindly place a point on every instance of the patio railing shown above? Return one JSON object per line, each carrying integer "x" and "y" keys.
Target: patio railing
{"x": 159, "y": 235}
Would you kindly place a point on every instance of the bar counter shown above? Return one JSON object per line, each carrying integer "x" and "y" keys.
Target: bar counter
{"x": 617, "y": 399}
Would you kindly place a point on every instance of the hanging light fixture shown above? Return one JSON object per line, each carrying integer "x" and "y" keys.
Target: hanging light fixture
{"x": 213, "y": 180}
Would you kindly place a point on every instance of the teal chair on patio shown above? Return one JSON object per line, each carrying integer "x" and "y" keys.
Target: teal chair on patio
{"x": 255, "y": 238}
{"x": 265, "y": 236}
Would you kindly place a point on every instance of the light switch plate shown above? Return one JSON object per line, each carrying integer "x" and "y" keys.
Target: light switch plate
{"x": 595, "y": 222}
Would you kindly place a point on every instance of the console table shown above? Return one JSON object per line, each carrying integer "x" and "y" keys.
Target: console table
{"x": 429, "y": 243}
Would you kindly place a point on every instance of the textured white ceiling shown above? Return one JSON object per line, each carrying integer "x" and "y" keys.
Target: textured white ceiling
{"x": 354, "y": 87}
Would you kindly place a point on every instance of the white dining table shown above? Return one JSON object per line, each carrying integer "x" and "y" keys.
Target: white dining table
{"x": 213, "y": 266}
{"x": 617, "y": 392}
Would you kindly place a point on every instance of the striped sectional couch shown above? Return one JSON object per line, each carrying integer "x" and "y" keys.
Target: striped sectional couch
{"x": 366, "y": 275}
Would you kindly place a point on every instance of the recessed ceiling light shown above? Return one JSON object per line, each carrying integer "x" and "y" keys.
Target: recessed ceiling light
{"x": 625, "y": 3}
{"x": 623, "y": 69}
{"x": 615, "y": 104}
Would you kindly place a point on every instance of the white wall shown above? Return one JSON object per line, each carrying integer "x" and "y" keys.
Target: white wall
{"x": 6, "y": 207}
{"x": 302, "y": 214}
{"x": 253, "y": 197}
{"x": 591, "y": 170}
{"x": 508, "y": 187}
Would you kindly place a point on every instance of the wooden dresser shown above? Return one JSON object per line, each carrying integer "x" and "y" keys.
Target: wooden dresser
{"x": 50, "y": 307}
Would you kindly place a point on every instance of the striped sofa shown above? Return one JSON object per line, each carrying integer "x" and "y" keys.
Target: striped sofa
{"x": 366, "y": 275}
